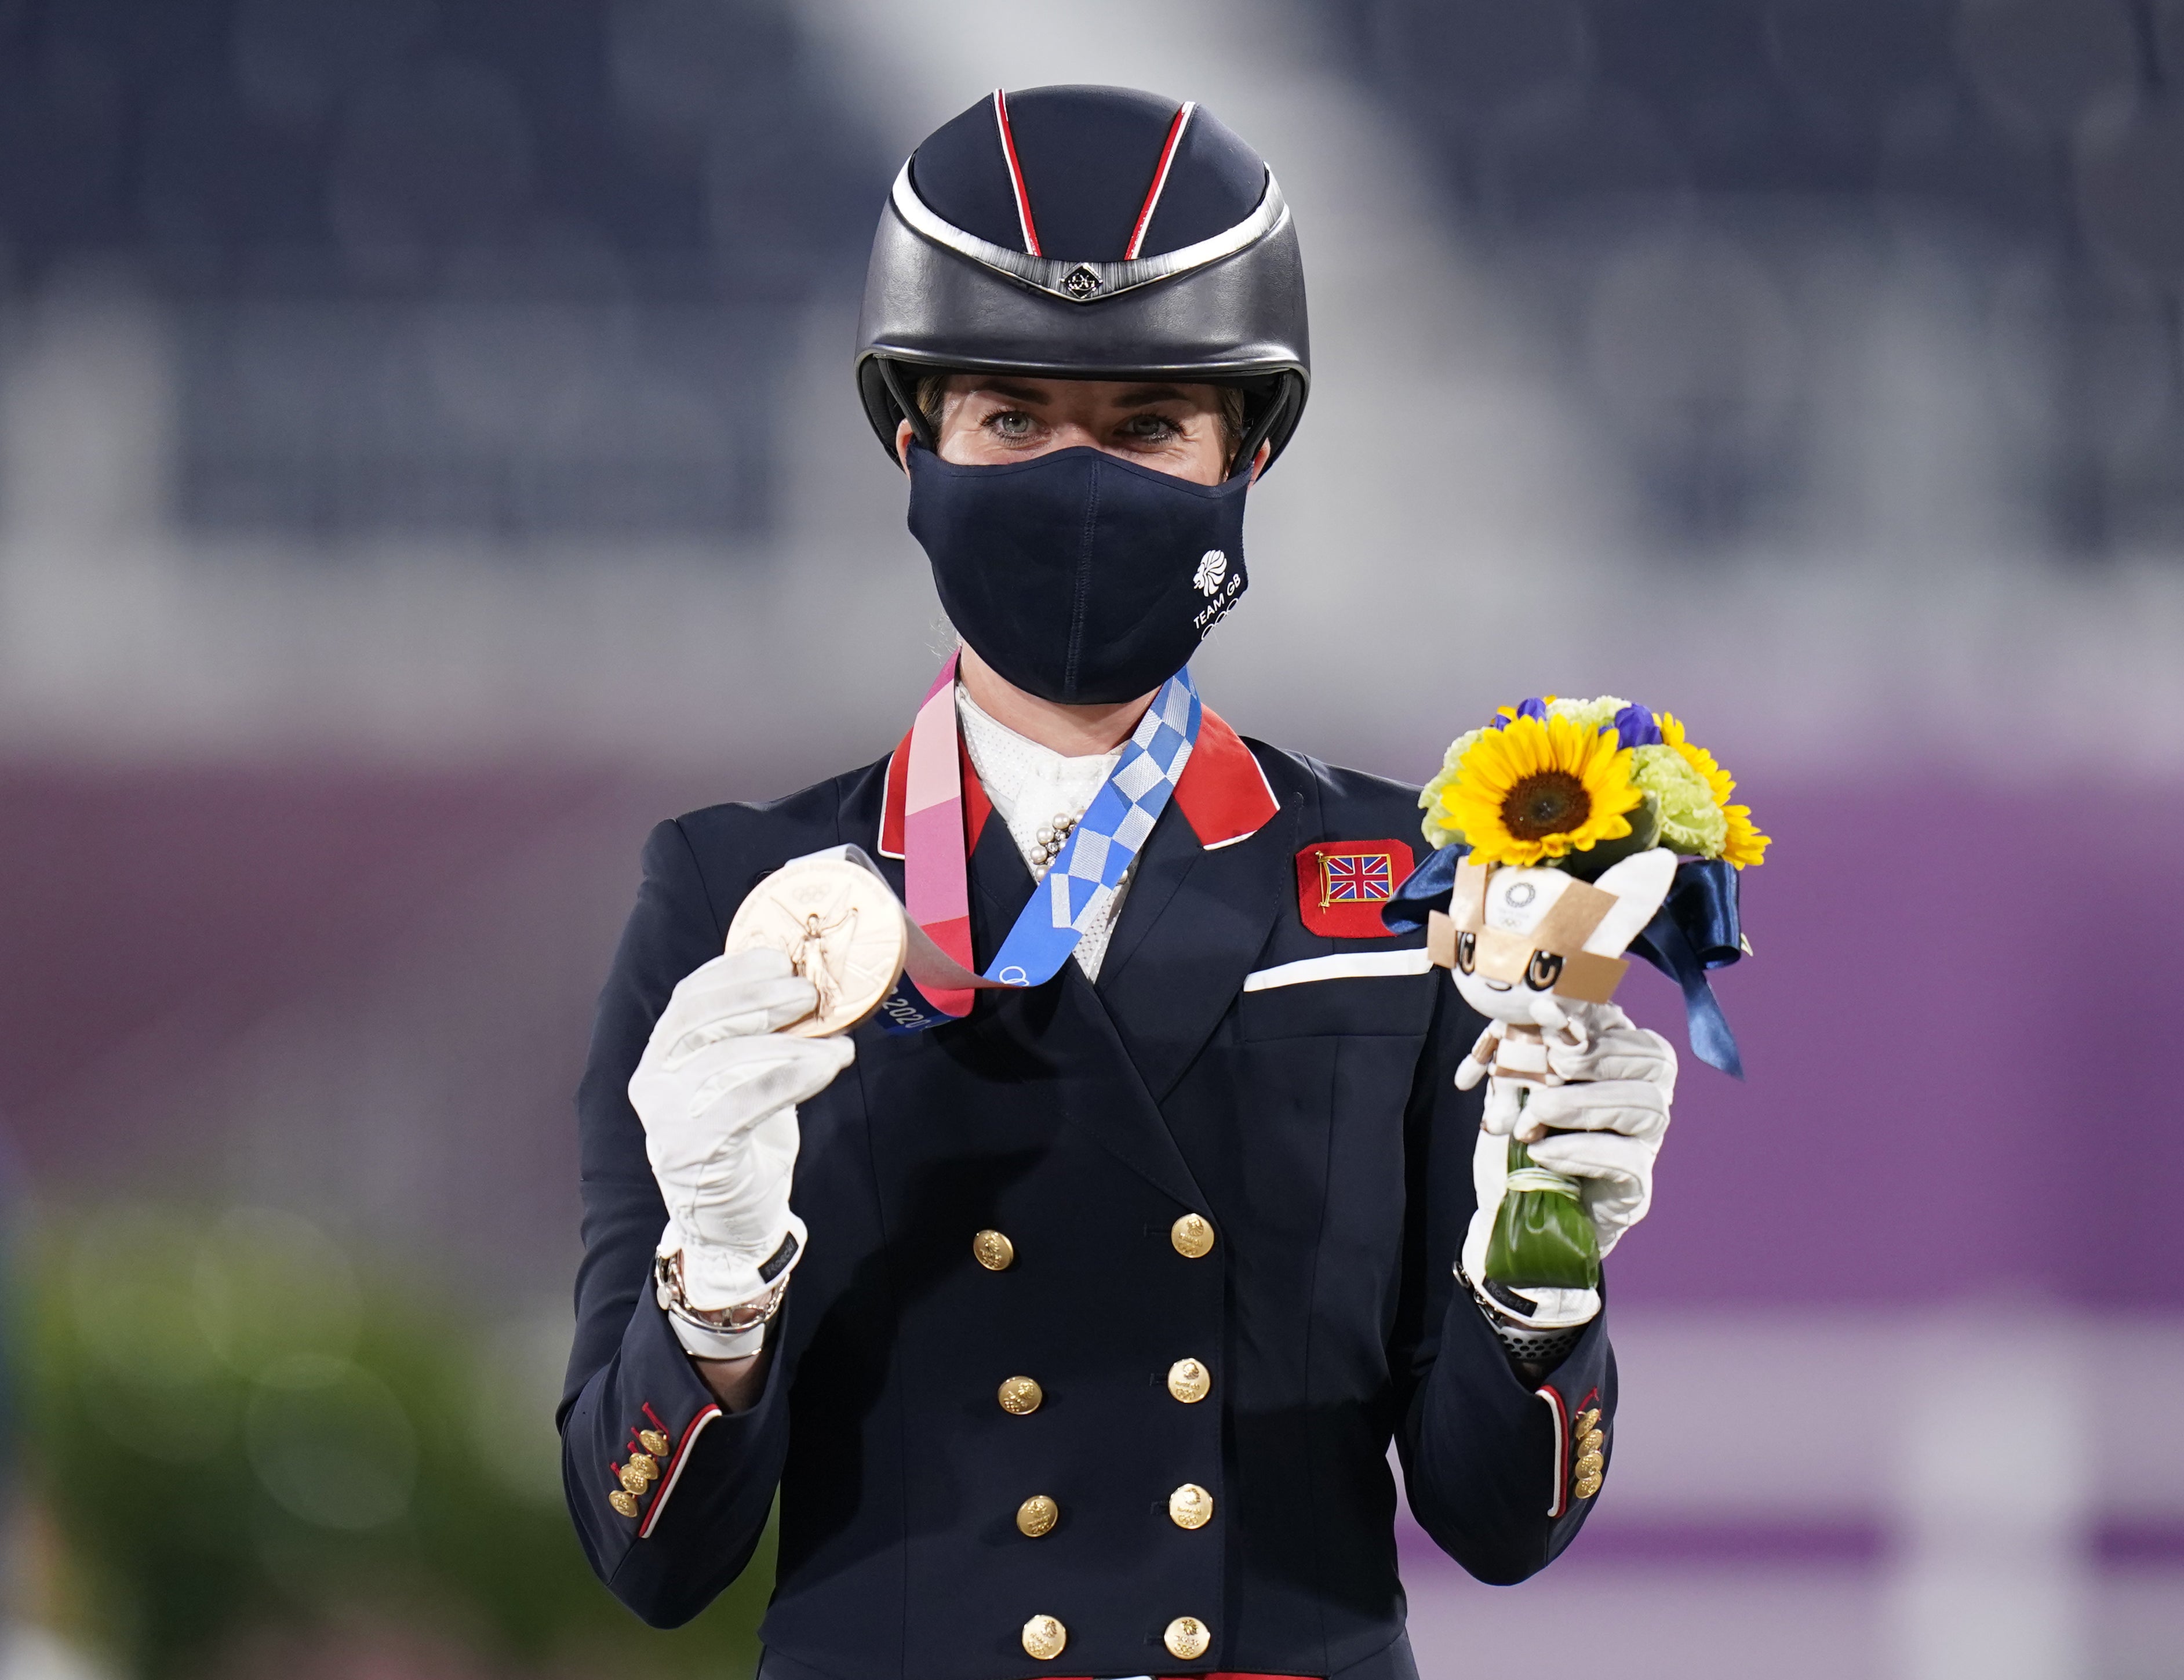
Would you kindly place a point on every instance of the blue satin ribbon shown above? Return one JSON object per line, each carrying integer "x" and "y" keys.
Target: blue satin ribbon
{"x": 1425, "y": 889}
{"x": 1696, "y": 929}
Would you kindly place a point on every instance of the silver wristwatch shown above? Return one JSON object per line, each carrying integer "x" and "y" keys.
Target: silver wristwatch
{"x": 1518, "y": 1341}
{"x": 725, "y": 1332}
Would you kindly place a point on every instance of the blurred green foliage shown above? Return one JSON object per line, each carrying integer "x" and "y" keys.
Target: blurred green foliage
{"x": 239, "y": 1435}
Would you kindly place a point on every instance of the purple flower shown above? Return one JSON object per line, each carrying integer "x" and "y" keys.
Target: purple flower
{"x": 1525, "y": 708}
{"x": 1635, "y": 727}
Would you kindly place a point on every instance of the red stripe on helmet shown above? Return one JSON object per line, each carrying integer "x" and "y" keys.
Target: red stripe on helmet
{"x": 1160, "y": 179}
{"x": 1016, "y": 173}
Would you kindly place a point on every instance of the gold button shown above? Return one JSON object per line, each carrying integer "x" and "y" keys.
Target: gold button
{"x": 646, "y": 1466}
{"x": 1043, "y": 1637}
{"x": 1591, "y": 1441}
{"x": 1590, "y": 1466}
{"x": 653, "y": 1442}
{"x": 633, "y": 1479}
{"x": 624, "y": 1504}
{"x": 1189, "y": 1381}
{"x": 1187, "y": 1638}
{"x": 1020, "y": 1396}
{"x": 1587, "y": 1420}
{"x": 1586, "y": 1487}
{"x": 1192, "y": 1235}
{"x": 993, "y": 1251}
{"x": 1037, "y": 1515}
{"x": 1190, "y": 1506}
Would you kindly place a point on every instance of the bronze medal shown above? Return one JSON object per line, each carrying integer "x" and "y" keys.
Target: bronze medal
{"x": 841, "y": 928}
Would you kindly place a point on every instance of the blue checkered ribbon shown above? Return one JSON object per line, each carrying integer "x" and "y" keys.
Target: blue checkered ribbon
{"x": 1106, "y": 841}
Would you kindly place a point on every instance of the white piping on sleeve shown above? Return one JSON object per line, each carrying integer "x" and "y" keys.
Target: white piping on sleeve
{"x": 1559, "y": 1503}
{"x": 675, "y": 1469}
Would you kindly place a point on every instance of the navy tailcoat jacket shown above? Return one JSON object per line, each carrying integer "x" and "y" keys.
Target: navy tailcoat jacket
{"x": 1307, "y": 1113}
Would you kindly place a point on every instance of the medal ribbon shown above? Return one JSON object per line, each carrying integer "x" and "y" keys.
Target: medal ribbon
{"x": 1081, "y": 882}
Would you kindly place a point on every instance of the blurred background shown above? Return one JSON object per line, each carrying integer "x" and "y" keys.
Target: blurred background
{"x": 427, "y": 456}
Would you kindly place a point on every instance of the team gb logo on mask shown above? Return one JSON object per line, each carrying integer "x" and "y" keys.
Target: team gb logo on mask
{"x": 1213, "y": 567}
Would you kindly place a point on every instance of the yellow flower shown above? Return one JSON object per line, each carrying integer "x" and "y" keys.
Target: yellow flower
{"x": 1672, "y": 732}
{"x": 1538, "y": 790}
{"x": 1745, "y": 844}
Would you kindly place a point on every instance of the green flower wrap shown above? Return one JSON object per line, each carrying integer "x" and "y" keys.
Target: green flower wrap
{"x": 1543, "y": 1237}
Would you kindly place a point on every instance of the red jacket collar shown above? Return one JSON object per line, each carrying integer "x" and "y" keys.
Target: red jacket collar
{"x": 1223, "y": 794}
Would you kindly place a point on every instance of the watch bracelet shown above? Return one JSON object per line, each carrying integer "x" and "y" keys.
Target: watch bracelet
{"x": 1520, "y": 1342}
{"x": 743, "y": 1316}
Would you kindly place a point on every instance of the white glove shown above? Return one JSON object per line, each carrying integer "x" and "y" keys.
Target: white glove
{"x": 718, "y": 1088}
{"x": 1615, "y": 1110}
{"x": 1622, "y": 1079}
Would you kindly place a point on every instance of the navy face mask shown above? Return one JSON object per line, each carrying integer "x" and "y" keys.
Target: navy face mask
{"x": 1082, "y": 578}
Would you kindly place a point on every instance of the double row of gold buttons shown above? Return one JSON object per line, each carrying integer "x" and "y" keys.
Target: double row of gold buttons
{"x": 1186, "y": 1638}
{"x": 1190, "y": 1506}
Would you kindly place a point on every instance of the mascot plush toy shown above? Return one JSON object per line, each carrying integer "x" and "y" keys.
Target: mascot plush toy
{"x": 1538, "y": 953}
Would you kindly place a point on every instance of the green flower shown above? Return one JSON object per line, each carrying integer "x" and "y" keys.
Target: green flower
{"x": 1691, "y": 822}
{"x": 1438, "y": 834}
{"x": 1591, "y": 716}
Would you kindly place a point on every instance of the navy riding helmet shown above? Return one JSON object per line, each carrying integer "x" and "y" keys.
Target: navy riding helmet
{"x": 1087, "y": 232}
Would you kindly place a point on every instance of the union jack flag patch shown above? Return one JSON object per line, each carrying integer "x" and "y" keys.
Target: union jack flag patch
{"x": 1369, "y": 877}
{"x": 1342, "y": 885}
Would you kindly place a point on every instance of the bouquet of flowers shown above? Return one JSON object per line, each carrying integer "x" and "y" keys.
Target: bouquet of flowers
{"x": 1567, "y": 832}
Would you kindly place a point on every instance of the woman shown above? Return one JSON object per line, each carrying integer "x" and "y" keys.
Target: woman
{"x": 1073, "y": 1330}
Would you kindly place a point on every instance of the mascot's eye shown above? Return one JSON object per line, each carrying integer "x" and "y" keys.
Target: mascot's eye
{"x": 1541, "y": 973}
{"x": 1466, "y": 951}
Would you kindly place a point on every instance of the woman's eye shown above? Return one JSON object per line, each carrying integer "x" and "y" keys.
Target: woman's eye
{"x": 1152, "y": 429}
{"x": 1010, "y": 423}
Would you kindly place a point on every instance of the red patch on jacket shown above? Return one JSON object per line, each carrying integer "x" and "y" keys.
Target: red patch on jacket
{"x": 1342, "y": 885}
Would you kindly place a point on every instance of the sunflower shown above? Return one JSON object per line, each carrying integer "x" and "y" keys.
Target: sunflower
{"x": 1538, "y": 790}
{"x": 1743, "y": 844}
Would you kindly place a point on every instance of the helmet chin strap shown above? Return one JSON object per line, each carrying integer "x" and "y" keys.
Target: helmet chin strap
{"x": 920, "y": 428}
